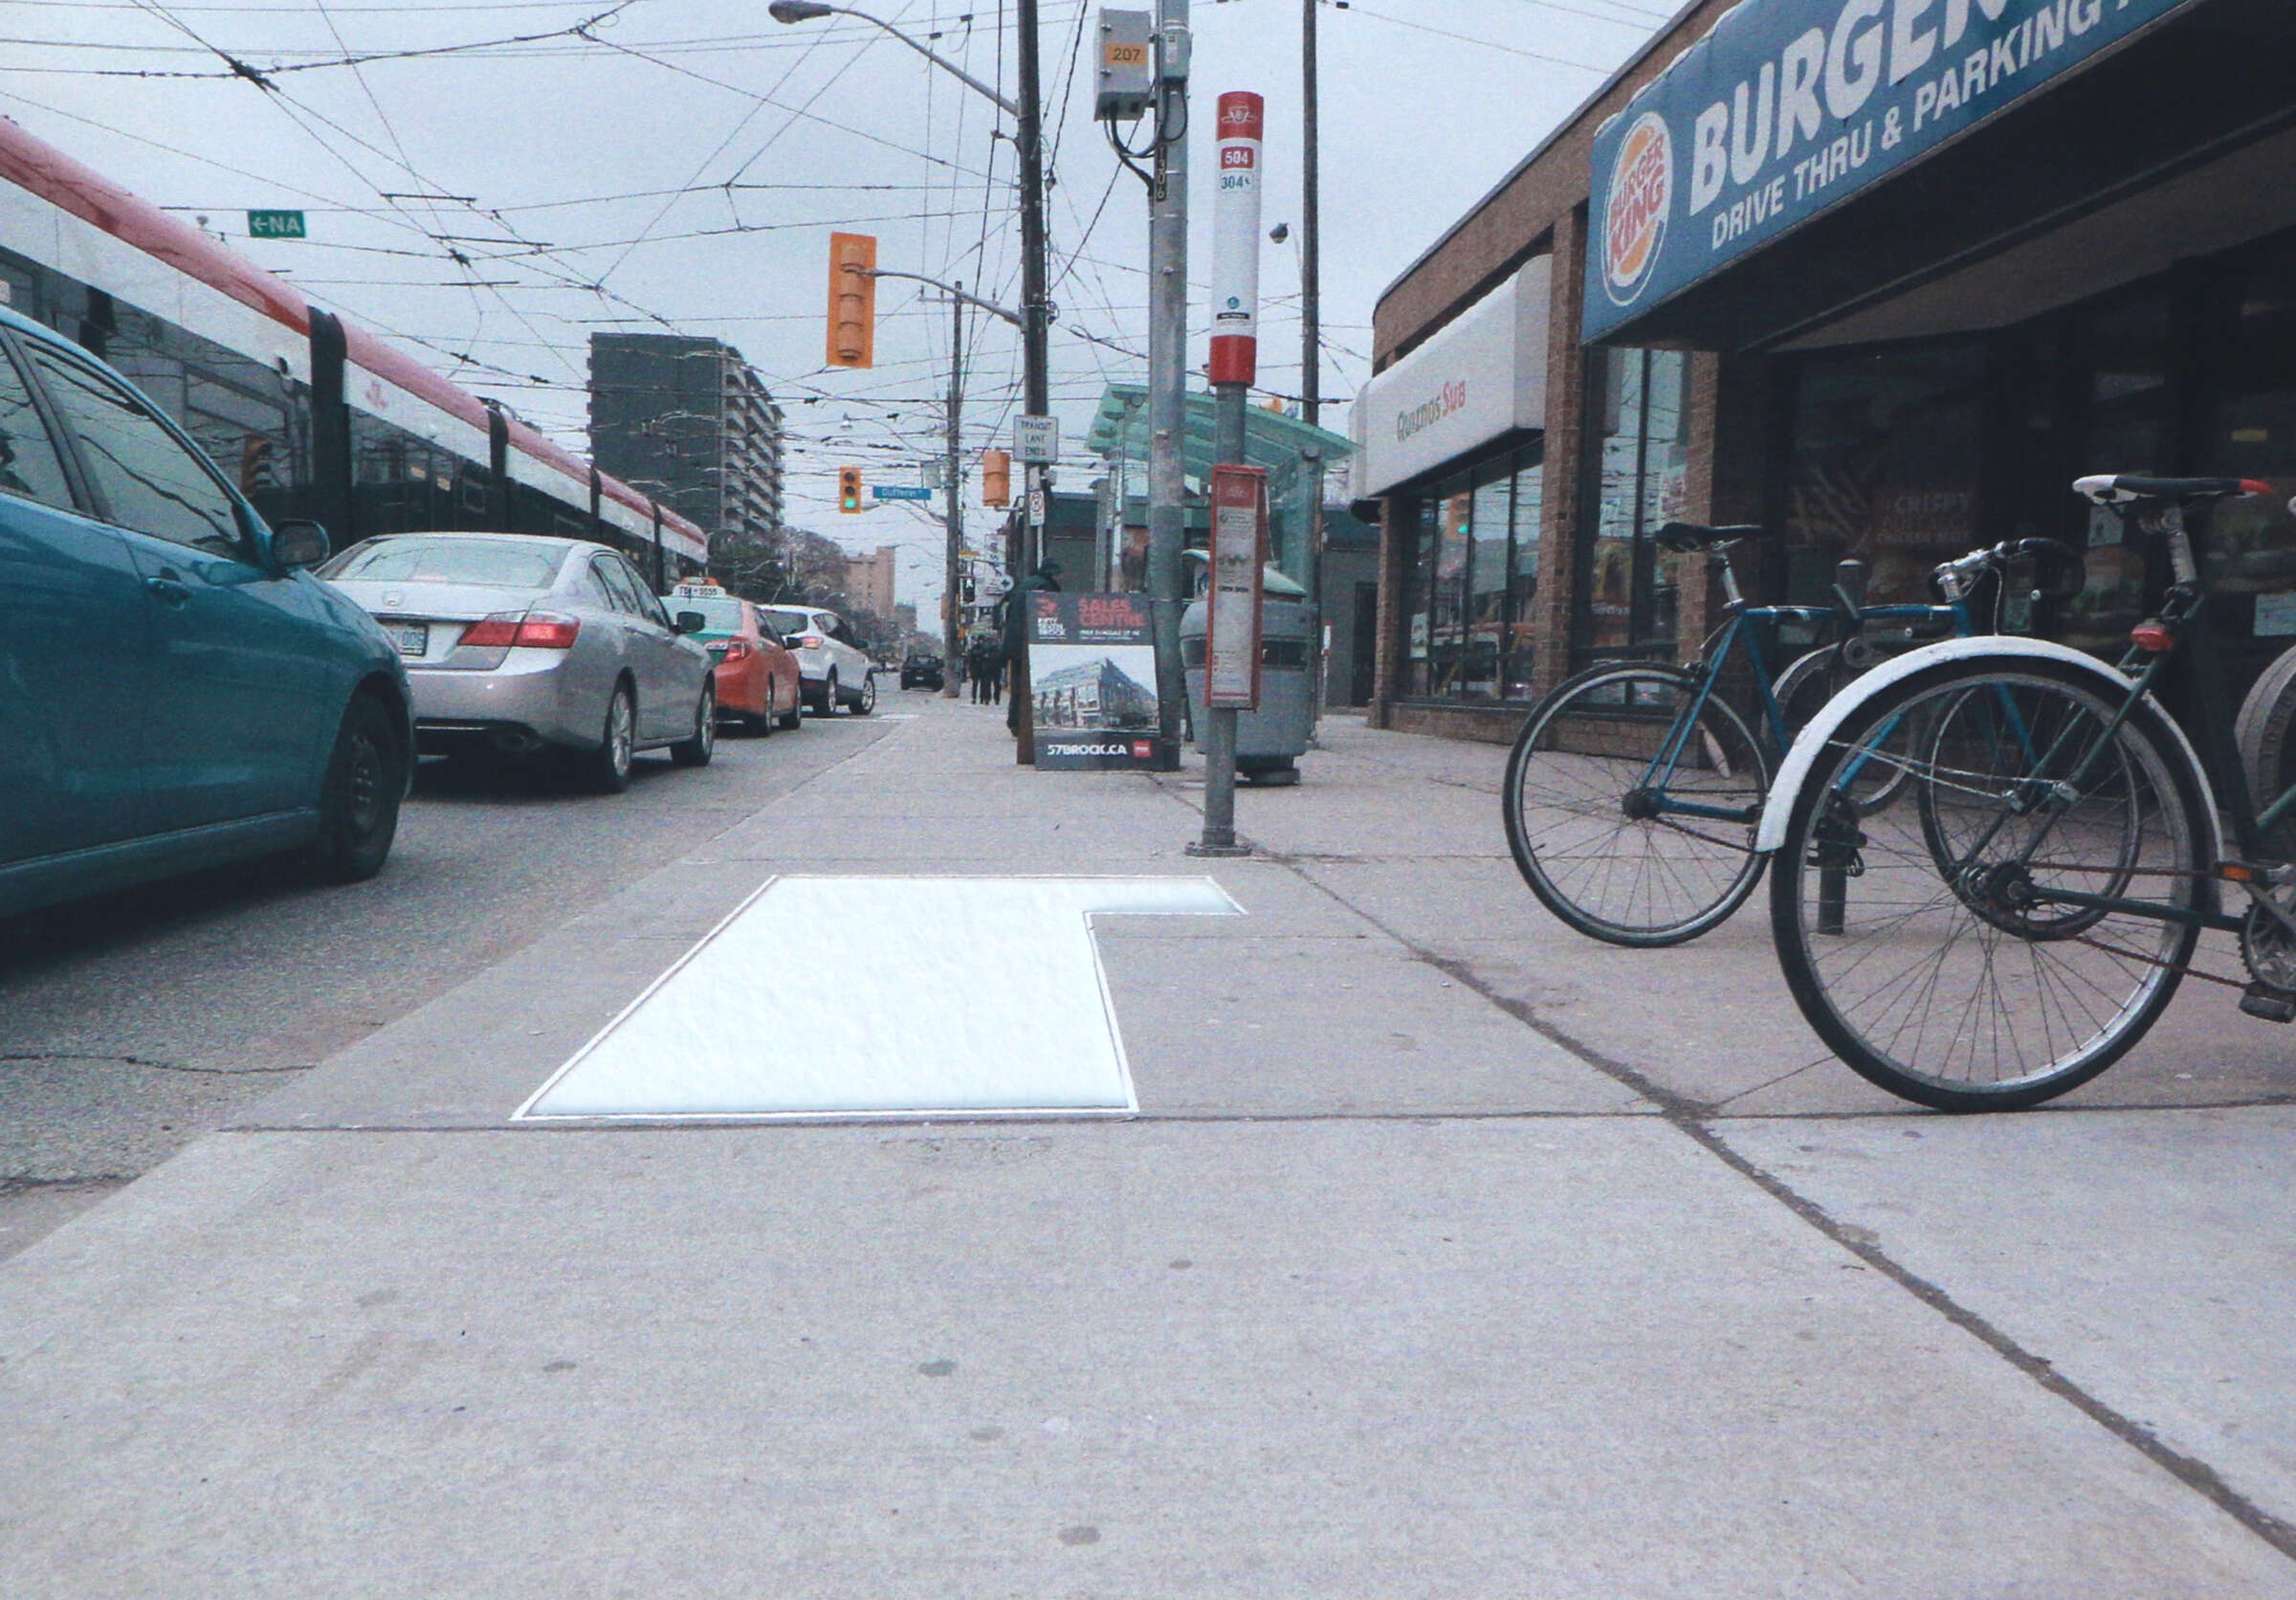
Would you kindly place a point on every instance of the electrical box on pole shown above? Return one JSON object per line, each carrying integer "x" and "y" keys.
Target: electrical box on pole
{"x": 849, "y": 489}
{"x": 1126, "y": 83}
{"x": 996, "y": 477}
{"x": 853, "y": 300}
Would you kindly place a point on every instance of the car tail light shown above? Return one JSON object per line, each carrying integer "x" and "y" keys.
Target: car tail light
{"x": 549, "y": 630}
{"x": 495, "y": 633}
{"x": 534, "y": 630}
{"x": 810, "y": 641}
{"x": 734, "y": 649}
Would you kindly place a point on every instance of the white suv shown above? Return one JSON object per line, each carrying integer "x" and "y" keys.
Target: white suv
{"x": 835, "y": 669}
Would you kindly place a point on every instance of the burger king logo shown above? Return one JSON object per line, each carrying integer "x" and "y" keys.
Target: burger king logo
{"x": 1634, "y": 217}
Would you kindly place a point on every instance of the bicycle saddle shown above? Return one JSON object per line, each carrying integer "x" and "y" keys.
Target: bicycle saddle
{"x": 2127, "y": 488}
{"x": 1683, "y": 537}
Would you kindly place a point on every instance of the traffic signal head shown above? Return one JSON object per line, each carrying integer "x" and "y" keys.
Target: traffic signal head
{"x": 849, "y": 489}
{"x": 996, "y": 477}
{"x": 853, "y": 300}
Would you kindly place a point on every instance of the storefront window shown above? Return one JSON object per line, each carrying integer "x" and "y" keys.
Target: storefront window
{"x": 2251, "y": 432}
{"x": 1468, "y": 581}
{"x": 1523, "y": 589}
{"x": 1882, "y": 466}
{"x": 1487, "y": 587}
{"x": 1640, "y": 447}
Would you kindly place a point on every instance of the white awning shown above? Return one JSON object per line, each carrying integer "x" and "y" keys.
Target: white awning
{"x": 1484, "y": 375}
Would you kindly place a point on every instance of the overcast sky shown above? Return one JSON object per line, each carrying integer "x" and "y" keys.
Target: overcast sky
{"x": 586, "y": 182}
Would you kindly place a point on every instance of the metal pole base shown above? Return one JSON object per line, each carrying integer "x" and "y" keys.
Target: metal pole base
{"x": 1206, "y": 847}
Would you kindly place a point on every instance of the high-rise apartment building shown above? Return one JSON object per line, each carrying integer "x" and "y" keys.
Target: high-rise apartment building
{"x": 868, "y": 581}
{"x": 690, "y": 422}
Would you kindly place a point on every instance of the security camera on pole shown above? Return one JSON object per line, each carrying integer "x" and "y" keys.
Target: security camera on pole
{"x": 1239, "y": 505}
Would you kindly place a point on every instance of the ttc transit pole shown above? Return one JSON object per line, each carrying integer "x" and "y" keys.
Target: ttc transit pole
{"x": 1168, "y": 362}
{"x": 1234, "y": 365}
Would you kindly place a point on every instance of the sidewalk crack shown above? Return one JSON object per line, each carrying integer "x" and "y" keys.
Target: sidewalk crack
{"x": 1694, "y": 1120}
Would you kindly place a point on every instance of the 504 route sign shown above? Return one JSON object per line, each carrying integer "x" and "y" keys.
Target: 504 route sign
{"x": 900, "y": 491}
{"x": 276, "y": 225}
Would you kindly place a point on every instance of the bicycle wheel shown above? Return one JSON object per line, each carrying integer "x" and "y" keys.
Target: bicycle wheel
{"x": 1801, "y": 691}
{"x": 1594, "y": 772}
{"x": 1926, "y": 946}
{"x": 1984, "y": 738}
{"x": 2267, "y": 753}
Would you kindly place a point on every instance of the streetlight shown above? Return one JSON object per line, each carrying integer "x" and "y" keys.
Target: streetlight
{"x": 1028, "y": 142}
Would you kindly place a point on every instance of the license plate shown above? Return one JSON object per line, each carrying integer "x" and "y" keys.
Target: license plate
{"x": 413, "y": 638}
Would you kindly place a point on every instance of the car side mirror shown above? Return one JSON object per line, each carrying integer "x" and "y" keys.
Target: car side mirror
{"x": 297, "y": 545}
{"x": 789, "y": 641}
{"x": 689, "y": 622}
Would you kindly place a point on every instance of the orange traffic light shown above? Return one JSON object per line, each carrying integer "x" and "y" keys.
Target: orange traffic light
{"x": 849, "y": 488}
{"x": 853, "y": 300}
{"x": 996, "y": 477}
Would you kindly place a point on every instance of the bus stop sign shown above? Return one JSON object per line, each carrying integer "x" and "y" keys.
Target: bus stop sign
{"x": 1231, "y": 646}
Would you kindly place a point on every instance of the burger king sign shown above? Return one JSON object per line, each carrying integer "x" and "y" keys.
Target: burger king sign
{"x": 1635, "y": 212}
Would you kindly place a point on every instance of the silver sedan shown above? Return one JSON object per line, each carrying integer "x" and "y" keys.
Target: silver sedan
{"x": 521, "y": 645}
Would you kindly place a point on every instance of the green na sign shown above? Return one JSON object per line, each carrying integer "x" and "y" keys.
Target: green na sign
{"x": 276, "y": 225}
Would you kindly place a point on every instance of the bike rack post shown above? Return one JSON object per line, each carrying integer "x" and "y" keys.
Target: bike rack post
{"x": 1833, "y": 899}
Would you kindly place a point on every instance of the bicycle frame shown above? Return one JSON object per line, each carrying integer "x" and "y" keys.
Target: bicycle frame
{"x": 1955, "y": 614}
{"x": 2182, "y": 611}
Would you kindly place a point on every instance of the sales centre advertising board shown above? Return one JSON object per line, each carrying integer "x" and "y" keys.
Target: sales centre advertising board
{"x": 1790, "y": 107}
{"x": 1091, "y": 673}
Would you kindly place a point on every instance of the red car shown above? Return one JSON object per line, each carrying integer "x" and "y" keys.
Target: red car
{"x": 758, "y": 680}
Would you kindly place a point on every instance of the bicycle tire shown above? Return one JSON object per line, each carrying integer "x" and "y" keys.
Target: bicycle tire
{"x": 1810, "y": 680}
{"x": 1907, "y": 936}
{"x": 2262, "y": 734}
{"x": 1642, "y": 882}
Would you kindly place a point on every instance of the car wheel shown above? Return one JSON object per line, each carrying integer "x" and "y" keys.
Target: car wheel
{"x": 866, "y": 702}
{"x": 697, "y": 750}
{"x": 828, "y": 696}
{"x": 359, "y": 797}
{"x": 793, "y": 718}
{"x": 607, "y": 768}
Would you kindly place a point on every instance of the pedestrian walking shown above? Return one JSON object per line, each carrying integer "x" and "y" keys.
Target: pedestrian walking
{"x": 976, "y": 668}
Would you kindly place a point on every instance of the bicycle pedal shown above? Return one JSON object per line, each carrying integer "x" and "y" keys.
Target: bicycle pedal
{"x": 2273, "y": 1005}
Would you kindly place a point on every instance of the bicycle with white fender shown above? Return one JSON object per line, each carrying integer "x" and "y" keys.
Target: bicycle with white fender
{"x": 2019, "y": 926}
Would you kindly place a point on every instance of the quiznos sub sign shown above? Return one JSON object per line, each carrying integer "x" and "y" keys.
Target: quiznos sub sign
{"x": 1789, "y": 106}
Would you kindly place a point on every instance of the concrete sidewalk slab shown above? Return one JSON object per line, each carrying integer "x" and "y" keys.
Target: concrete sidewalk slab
{"x": 1389, "y": 1294}
{"x": 2145, "y": 1255}
{"x": 1293, "y": 1027}
{"x": 1339, "y": 1359}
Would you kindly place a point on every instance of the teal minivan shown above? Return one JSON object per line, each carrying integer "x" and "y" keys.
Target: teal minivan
{"x": 177, "y": 691}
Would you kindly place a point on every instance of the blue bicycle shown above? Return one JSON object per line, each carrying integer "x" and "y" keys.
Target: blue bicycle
{"x": 1634, "y": 789}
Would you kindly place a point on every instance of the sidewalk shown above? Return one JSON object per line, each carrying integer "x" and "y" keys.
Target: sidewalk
{"x": 1447, "y": 1254}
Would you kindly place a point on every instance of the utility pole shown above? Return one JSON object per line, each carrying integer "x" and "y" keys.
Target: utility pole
{"x": 1035, "y": 378}
{"x": 953, "y": 505}
{"x": 1311, "y": 332}
{"x": 1168, "y": 359}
